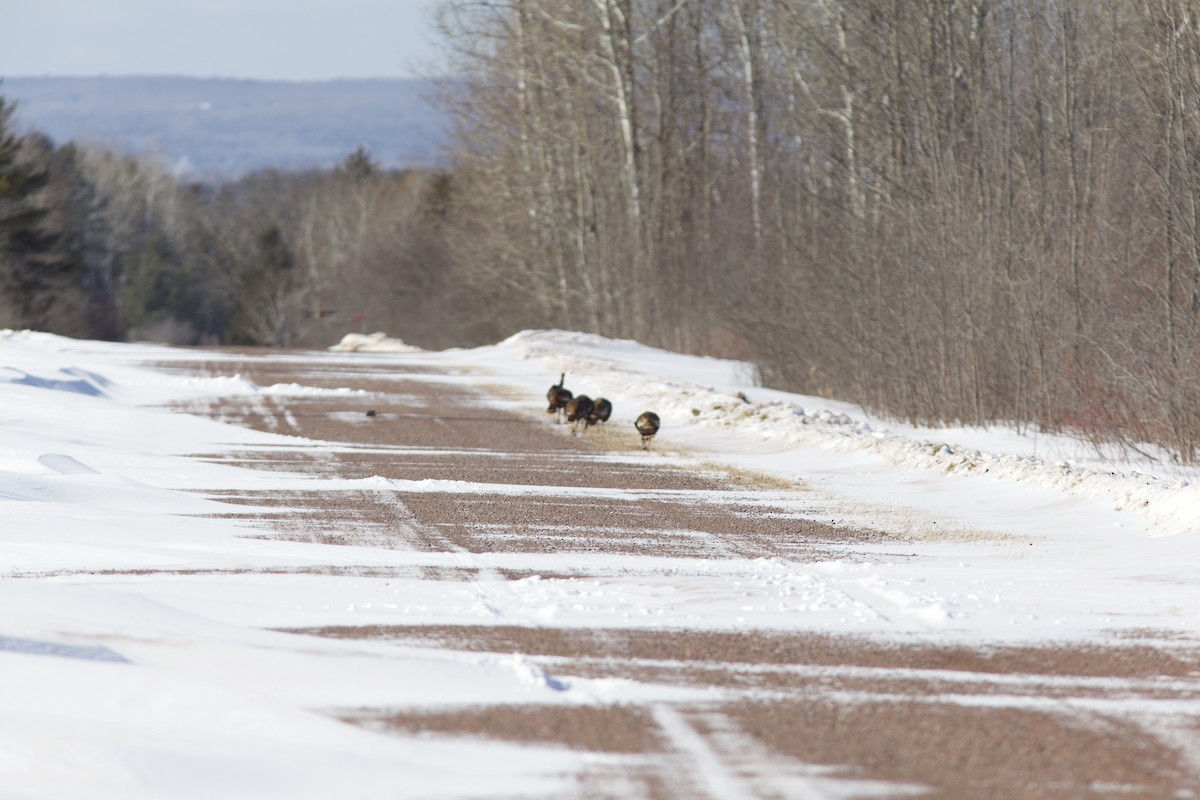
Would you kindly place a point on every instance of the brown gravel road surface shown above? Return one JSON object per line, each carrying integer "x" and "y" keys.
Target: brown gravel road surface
{"x": 790, "y": 715}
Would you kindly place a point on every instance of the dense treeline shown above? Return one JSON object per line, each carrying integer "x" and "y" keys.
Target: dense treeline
{"x": 108, "y": 246}
{"x": 947, "y": 210}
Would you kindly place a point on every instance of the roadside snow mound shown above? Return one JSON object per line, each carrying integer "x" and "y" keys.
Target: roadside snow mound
{"x": 573, "y": 352}
{"x": 724, "y": 395}
{"x": 372, "y": 343}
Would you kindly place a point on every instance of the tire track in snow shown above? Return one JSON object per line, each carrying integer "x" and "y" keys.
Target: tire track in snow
{"x": 715, "y": 779}
{"x": 489, "y": 578}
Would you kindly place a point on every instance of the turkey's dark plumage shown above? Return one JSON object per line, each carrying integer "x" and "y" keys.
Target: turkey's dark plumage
{"x": 601, "y": 411}
{"x": 558, "y": 397}
{"x": 647, "y": 425}
{"x": 579, "y": 410}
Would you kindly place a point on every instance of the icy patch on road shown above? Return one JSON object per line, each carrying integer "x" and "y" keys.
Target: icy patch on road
{"x": 38, "y": 647}
{"x": 530, "y": 674}
{"x": 76, "y": 381}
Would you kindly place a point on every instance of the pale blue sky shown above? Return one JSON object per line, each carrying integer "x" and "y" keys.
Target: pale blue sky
{"x": 263, "y": 39}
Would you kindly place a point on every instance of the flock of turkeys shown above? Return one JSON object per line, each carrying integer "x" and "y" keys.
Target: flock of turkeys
{"x": 576, "y": 409}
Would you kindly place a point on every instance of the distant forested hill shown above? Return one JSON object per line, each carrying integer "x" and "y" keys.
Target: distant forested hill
{"x": 221, "y": 128}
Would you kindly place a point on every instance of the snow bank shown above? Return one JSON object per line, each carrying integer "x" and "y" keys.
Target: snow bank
{"x": 378, "y": 342}
{"x": 725, "y": 396}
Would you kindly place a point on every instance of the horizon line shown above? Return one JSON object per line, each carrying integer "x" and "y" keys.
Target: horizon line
{"x": 232, "y": 78}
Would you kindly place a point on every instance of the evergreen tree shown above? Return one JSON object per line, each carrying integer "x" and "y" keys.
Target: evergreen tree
{"x": 359, "y": 165}
{"x": 32, "y": 265}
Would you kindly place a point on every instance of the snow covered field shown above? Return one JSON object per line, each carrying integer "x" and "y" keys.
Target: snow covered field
{"x": 135, "y": 639}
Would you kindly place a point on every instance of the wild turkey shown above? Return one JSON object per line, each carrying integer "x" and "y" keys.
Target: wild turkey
{"x": 558, "y": 397}
{"x": 580, "y": 410}
{"x": 601, "y": 411}
{"x": 647, "y": 425}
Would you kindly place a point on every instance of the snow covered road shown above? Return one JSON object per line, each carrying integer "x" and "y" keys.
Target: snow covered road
{"x": 267, "y": 591}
